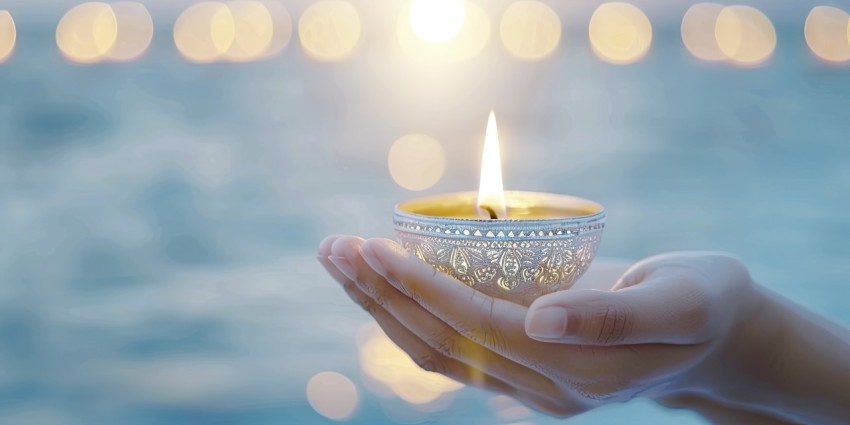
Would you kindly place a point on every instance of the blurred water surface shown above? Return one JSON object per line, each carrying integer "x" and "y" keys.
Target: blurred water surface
{"x": 159, "y": 219}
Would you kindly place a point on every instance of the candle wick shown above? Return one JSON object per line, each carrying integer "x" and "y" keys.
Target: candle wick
{"x": 493, "y": 215}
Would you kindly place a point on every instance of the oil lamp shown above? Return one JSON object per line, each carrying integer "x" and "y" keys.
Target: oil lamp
{"x": 514, "y": 245}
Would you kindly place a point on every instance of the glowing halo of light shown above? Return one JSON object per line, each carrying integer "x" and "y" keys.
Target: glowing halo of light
{"x": 416, "y": 161}
{"x": 8, "y": 35}
{"x": 87, "y": 32}
{"x": 469, "y": 41}
{"x": 204, "y": 32}
{"x": 620, "y": 33}
{"x": 697, "y": 29}
{"x": 384, "y": 362}
{"x": 745, "y": 35}
{"x": 827, "y": 33}
{"x": 135, "y": 30}
{"x": 530, "y": 30}
{"x": 253, "y": 29}
{"x": 436, "y": 21}
{"x": 330, "y": 30}
{"x": 332, "y": 395}
{"x": 281, "y": 27}
{"x": 508, "y": 409}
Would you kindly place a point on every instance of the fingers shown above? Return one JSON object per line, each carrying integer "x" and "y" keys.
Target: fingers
{"x": 423, "y": 355}
{"x": 435, "y": 333}
{"x": 324, "y": 252}
{"x": 542, "y": 398}
{"x": 494, "y": 323}
{"x": 661, "y": 309}
{"x": 420, "y": 353}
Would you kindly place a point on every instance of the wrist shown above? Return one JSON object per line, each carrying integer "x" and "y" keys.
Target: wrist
{"x": 738, "y": 366}
{"x": 780, "y": 361}
{"x": 810, "y": 370}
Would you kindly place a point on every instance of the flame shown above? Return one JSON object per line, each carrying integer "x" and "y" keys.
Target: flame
{"x": 491, "y": 194}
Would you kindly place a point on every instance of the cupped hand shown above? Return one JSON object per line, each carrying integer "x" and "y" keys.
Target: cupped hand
{"x": 658, "y": 330}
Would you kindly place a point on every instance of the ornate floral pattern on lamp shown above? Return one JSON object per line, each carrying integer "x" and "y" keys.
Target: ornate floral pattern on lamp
{"x": 514, "y": 259}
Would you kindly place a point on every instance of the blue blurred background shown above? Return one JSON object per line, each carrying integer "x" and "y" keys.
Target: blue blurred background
{"x": 159, "y": 213}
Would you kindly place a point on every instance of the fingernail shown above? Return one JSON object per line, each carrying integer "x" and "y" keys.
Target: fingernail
{"x": 344, "y": 266}
{"x": 547, "y": 323}
{"x": 372, "y": 260}
{"x": 326, "y": 244}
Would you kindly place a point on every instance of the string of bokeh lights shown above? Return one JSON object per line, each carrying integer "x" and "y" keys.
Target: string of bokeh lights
{"x": 427, "y": 30}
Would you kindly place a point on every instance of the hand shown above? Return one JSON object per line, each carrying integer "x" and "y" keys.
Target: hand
{"x": 679, "y": 328}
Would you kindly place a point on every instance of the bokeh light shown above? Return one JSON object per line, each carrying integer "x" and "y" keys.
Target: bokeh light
{"x": 472, "y": 36}
{"x": 530, "y": 30}
{"x": 436, "y": 20}
{"x": 698, "y": 28}
{"x": 330, "y": 30}
{"x": 253, "y": 30}
{"x": 332, "y": 395}
{"x": 827, "y": 32}
{"x": 509, "y": 409}
{"x": 8, "y": 34}
{"x": 282, "y": 27}
{"x": 385, "y": 362}
{"x": 135, "y": 31}
{"x": 87, "y": 32}
{"x": 620, "y": 33}
{"x": 745, "y": 35}
{"x": 205, "y": 31}
{"x": 416, "y": 161}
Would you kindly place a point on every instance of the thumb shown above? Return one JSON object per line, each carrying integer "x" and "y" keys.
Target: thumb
{"x": 659, "y": 310}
